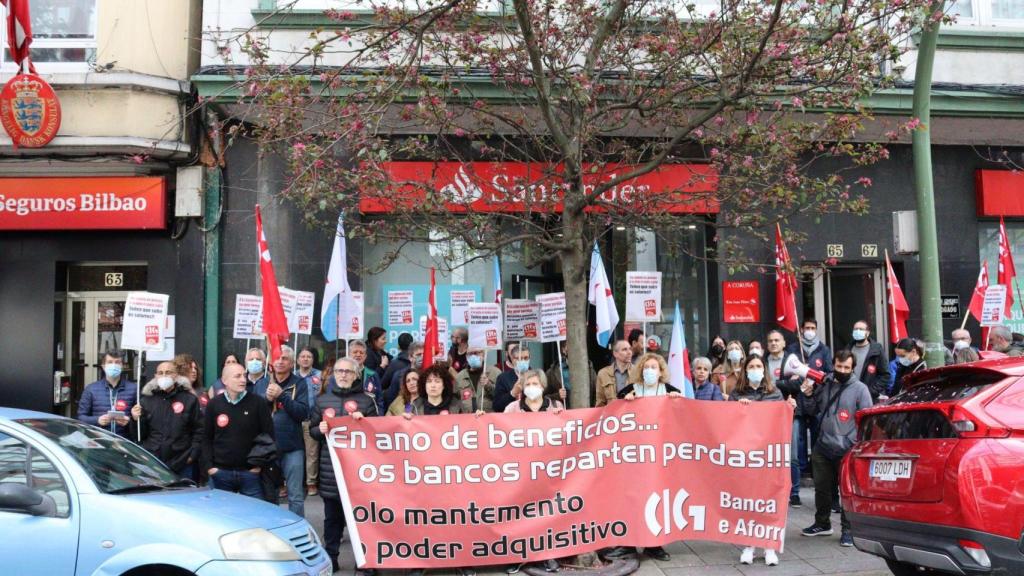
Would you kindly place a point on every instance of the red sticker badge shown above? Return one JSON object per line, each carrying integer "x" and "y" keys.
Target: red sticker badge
{"x": 871, "y": 368}
{"x": 329, "y": 413}
{"x": 203, "y": 400}
{"x": 280, "y": 405}
{"x": 223, "y": 420}
{"x": 178, "y": 407}
{"x": 844, "y": 415}
{"x": 467, "y": 394}
{"x": 121, "y": 405}
{"x": 351, "y": 406}
{"x": 817, "y": 362}
{"x": 778, "y": 372}
{"x": 369, "y": 387}
{"x": 316, "y": 380}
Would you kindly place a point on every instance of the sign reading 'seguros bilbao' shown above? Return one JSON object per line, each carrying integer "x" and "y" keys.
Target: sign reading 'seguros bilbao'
{"x": 83, "y": 203}
{"x": 449, "y": 491}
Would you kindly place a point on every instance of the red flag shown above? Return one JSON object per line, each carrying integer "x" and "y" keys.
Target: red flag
{"x": 1007, "y": 271}
{"x": 899, "y": 311}
{"x": 431, "y": 346}
{"x": 785, "y": 285}
{"x": 978, "y": 298}
{"x": 19, "y": 31}
{"x": 275, "y": 325}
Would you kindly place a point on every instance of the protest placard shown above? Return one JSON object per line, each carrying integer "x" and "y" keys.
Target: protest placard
{"x": 400, "y": 304}
{"x": 355, "y": 331}
{"x": 305, "y": 302}
{"x": 460, "y": 300}
{"x": 485, "y": 326}
{"x": 248, "y": 317}
{"x": 145, "y": 314}
{"x": 643, "y": 296}
{"x": 522, "y": 320}
{"x": 552, "y": 317}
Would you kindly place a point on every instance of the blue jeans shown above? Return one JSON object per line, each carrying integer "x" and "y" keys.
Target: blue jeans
{"x": 241, "y": 481}
{"x": 808, "y": 425}
{"x": 293, "y": 465}
{"x": 794, "y": 458}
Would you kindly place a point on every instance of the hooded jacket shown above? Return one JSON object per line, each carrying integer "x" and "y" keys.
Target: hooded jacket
{"x": 835, "y": 405}
{"x": 334, "y": 403}
{"x": 171, "y": 425}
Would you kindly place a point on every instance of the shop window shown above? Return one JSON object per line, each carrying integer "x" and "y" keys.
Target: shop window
{"x": 1003, "y": 13}
{"x": 63, "y": 35}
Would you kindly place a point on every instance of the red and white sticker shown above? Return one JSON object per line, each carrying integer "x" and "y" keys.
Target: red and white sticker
{"x": 369, "y": 387}
{"x": 316, "y": 380}
{"x": 223, "y": 421}
{"x": 778, "y": 372}
{"x": 844, "y": 415}
{"x": 871, "y": 368}
{"x": 351, "y": 406}
{"x": 203, "y": 400}
{"x": 280, "y": 405}
{"x": 178, "y": 407}
{"x": 466, "y": 394}
{"x": 817, "y": 362}
{"x": 121, "y": 405}
{"x": 329, "y": 413}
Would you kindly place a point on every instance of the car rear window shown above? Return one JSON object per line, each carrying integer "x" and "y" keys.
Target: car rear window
{"x": 947, "y": 387}
{"x": 909, "y": 425}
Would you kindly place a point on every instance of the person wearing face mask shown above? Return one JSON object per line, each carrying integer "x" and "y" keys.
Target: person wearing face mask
{"x": 755, "y": 349}
{"x": 872, "y": 366}
{"x": 813, "y": 352}
{"x": 509, "y": 385}
{"x": 963, "y": 352}
{"x": 717, "y": 352}
{"x": 728, "y": 373}
{"x": 703, "y": 387}
{"x": 474, "y": 385}
{"x": 909, "y": 359}
{"x": 790, "y": 388}
{"x": 255, "y": 369}
{"x": 168, "y": 420}
{"x": 834, "y": 403}
{"x": 756, "y": 386}
{"x": 107, "y": 401}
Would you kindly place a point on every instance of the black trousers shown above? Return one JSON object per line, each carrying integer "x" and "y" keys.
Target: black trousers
{"x": 334, "y": 526}
{"x": 826, "y": 482}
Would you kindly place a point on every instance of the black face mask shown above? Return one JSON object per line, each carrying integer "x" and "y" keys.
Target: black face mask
{"x": 843, "y": 378}
{"x": 717, "y": 349}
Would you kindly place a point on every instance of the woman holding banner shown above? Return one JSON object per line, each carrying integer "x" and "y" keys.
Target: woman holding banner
{"x": 410, "y": 391}
{"x": 754, "y": 387}
{"x": 729, "y": 373}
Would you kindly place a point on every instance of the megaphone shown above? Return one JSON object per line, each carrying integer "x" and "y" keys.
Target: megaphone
{"x": 794, "y": 367}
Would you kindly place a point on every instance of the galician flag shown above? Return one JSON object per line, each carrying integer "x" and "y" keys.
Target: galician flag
{"x": 497, "y": 281}
{"x": 679, "y": 358}
{"x": 339, "y": 305}
{"x": 600, "y": 295}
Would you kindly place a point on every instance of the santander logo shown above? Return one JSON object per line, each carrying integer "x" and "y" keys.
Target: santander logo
{"x": 462, "y": 190}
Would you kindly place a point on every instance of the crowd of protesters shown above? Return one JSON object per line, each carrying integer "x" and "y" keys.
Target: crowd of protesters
{"x": 261, "y": 430}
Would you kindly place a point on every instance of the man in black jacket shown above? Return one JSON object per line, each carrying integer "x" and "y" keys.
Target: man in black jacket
{"x": 168, "y": 419}
{"x": 872, "y": 366}
{"x": 233, "y": 420}
{"x": 347, "y": 398}
{"x": 287, "y": 395}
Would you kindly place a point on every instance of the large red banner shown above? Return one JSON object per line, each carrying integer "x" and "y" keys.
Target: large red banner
{"x": 522, "y": 186}
{"x": 451, "y": 491}
{"x": 83, "y": 203}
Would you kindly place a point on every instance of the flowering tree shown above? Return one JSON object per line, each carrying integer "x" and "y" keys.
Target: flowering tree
{"x": 601, "y": 98}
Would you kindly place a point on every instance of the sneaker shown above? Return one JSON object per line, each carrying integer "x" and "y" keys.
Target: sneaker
{"x": 551, "y": 565}
{"x": 513, "y": 568}
{"x": 794, "y": 501}
{"x": 620, "y": 552}
{"x": 816, "y": 530}
{"x": 846, "y": 539}
{"x": 658, "y": 553}
{"x": 747, "y": 557}
{"x": 771, "y": 558}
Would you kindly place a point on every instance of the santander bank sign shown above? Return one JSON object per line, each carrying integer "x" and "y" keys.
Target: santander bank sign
{"x": 534, "y": 186}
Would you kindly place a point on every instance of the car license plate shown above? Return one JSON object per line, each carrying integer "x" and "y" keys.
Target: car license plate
{"x": 890, "y": 470}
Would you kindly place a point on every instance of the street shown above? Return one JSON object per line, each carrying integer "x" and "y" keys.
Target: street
{"x": 803, "y": 555}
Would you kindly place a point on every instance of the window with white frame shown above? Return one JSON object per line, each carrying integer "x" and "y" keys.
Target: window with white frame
{"x": 63, "y": 34}
{"x": 1006, "y": 13}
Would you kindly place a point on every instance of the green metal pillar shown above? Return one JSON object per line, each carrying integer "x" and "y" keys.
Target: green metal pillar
{"x": 928, "y": 243}
{"x": 211, "y": 275}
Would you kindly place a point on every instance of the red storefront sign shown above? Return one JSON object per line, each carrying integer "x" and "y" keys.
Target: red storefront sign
{"x": 86, "y": 203}
{"x": 999, "y": 192}
{"x": 522, "y": 186}
{"x": 741, "y": 301}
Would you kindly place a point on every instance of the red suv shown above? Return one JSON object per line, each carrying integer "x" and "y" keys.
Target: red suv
{"x": 935, "y": 485}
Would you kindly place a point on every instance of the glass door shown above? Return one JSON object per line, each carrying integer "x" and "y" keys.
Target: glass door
{"x": 848, "y": 295}
{"x": 93, "y": 327}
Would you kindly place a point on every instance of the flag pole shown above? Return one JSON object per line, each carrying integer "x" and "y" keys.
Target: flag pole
{"x": 967, "y": 315}
{"x": 138, "y": 393}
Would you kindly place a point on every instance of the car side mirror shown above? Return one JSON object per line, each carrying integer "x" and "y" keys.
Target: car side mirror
{"x": 20, "y": 497}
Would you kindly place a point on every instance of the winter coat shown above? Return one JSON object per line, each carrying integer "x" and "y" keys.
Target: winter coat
{"x": 835, "y": 405}
{"x": 820, "y": 359}
{"x": 389, "y": 380}
{"x": 398, "y": 407}
{"x": 171, "y": 424}
{"x": 289, "y": 409}
{"x": 629, "y": 388}
{"x": 606, "y": 385}
{"x": 519, "y": 406}
{"x": 903, "y": 371}
{"x": 314, "y": 380}
{"x": 333, "y": 403}
{"x": 454, "y": 406}
{"x": 875, "y": 374}
{"x": 758, "y": 395}
{"x": 725, "y": 377}
{"x": 477, "y": 397}
{"x": 503, "y": 388}
{"x": 99, "y": 398}
{"x": 373, "y": 360}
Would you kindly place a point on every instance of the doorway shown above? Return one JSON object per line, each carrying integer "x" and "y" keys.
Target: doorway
{"x": 844, "y": 295}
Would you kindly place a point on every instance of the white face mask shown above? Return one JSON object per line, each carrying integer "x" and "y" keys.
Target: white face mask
{"x": 809, "y": 335}
{"x": 961, "y": 344}
{"x": 165, "y": 382}
{"x": 533, "y": 392}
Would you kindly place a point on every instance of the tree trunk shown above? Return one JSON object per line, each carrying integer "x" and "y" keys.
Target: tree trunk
{"x": 574, "y": 273}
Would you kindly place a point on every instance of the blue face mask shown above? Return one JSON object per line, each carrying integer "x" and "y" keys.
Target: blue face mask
{"x": 650, "y": 376}
{"x": 474, "y": 361}
{"x": 735, "y": 355}
{"x": 112, "y": 370}
{"x": 859, "y": 335}
{"x": 903, "y": 360}
{"x": 522, "y": 365}
{"x": 254, "y": 366}
{"x": 754, "y": 377}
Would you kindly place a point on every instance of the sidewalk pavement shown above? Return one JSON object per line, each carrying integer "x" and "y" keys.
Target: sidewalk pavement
{"x": 802, "y": 556}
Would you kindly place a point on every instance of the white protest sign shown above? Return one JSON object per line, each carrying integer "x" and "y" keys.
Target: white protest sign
{"x": 643, "y": 296}
{"x": 552, "y": 317}
{"x": 304, "y": 304}
{"x": 461, "y": 299}
{"x": 167, "y": 354}
{"x": 248, "y": 317}
{"x": 289, "y": 298}
{"x": 400, "y": 307}
{"x": 145, "y": 314}
{"x": 485, "y": 326}
{"x": 356, "y": 329}
{"x": 522, "y": 320}
{"x": 993, "y": 305}
{"x": 443, "y": 337}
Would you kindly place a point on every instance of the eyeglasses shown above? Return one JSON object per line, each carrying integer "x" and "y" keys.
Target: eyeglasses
{"x": 344, "y": 371}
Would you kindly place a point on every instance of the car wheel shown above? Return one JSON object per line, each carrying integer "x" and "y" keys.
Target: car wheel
{"x": 904, "y": 569}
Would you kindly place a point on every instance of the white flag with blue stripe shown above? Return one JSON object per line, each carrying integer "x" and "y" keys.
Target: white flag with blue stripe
{"x": 339, "y": 304}
{"x": 599, "y": 294}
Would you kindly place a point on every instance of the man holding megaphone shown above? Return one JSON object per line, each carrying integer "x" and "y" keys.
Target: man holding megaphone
{"x": 832, "y": 400}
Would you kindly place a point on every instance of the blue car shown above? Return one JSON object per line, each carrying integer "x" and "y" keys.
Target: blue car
{"x": 78, "y": 500}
